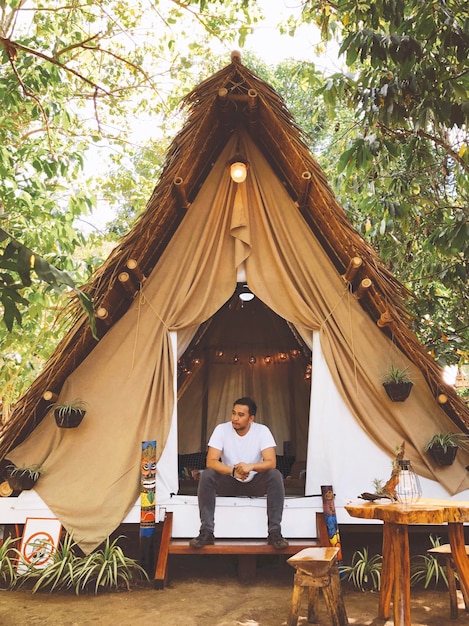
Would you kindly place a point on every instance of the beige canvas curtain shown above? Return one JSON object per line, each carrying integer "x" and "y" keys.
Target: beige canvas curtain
{"x": 91, "y": 477}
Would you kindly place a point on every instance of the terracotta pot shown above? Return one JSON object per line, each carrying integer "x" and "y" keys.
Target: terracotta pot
{"x": 398, "y": 392}
{"x": 442, "y": 456}
{"x": 68, "y": 419}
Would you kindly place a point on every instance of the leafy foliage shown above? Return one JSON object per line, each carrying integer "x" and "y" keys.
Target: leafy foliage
{"x": 365, "y": 570}
{"x": 402, "y": 172}
{"x": 73, "y": 78}
{"x": 9, "y": 555}
{"x": 425, "y": 567}
{"x": 104, "y": 569}
{"x": 107, "y": 569}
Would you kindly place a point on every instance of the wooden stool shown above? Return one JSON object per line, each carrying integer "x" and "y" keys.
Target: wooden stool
{"x": 316, "y": 568}
{"x": 443, "y": 556}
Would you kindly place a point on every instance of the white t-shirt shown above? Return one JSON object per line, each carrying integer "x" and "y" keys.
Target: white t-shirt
{"x": 246, "y": 449}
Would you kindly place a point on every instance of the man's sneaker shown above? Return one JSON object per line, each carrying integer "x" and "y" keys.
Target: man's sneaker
{"x": 204, "y": 539}
{"x": 277, "y": 541}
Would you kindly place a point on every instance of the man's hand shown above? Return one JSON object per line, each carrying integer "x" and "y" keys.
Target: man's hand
{"x": 242, "y": 470}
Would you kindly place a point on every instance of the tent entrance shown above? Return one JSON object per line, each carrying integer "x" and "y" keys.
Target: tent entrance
{"x": 245, "y": 349}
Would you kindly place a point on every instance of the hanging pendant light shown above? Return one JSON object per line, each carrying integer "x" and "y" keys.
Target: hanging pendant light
{"x": 246, "y": 294}
{"x": 238, "y": 166}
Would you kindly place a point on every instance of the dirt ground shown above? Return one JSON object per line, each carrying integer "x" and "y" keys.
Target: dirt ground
{"x": 204, "y": 591}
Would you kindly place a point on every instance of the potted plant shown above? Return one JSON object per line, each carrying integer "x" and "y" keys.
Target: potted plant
{"x": 69, "y": 414}
{"x": 397, "y": 384}
{"x": 444, "y": 446}
{"x": 22, "y": 478}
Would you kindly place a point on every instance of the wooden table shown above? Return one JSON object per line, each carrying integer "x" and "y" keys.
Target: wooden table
{"x": 395, "y": 573}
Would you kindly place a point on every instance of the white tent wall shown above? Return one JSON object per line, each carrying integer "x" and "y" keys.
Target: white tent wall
{"x": 332, "y": 459}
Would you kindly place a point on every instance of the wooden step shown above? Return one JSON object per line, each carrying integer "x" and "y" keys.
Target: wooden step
{"x": 245, "y": 549}
{"x": 240, "y": 546}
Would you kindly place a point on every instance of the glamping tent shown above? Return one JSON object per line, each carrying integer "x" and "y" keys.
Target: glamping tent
{"x": 326, "y": 321}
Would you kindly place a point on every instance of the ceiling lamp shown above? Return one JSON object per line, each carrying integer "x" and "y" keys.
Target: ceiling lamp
{"x": 283, "y": 356}
{"x": 268, "y": 359}
{"x": 245, "y": 294}
{"x": 235, "y": 359}
{"x": 252, "y": 360}
{"x": 238, "y": 168}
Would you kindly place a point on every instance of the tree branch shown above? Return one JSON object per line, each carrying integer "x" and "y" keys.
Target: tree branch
{"x": 12, "y": 47}
{"x": 401, "y": 133}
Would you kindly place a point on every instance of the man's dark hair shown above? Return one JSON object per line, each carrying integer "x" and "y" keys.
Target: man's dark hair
{"x": 249, "y": 402}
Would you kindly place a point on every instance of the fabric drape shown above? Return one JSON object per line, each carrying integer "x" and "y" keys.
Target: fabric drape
{"x": 91, "y": 474}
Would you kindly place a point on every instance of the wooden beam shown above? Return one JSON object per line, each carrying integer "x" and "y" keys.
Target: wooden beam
{"x": 354, "y": 265}
{"x": 385, "y": 319}
{"x": 224, "y": 106}
{"x": 363, "y": 288}
{"x": 127, "y": 283}
{"x": 161, "y": 572}
{"x": 305, "y": 184}
{"x": 103, "y": 314}
{"x": 181, "y": 195}
{"x": 50, "y": 396}
{"x": 135, "y": 271}
{"x": 252, "y": 101}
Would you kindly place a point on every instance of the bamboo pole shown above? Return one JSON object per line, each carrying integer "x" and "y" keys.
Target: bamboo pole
{"x": 354, "y": 265}
{"x": 136, "y": 272}
{"x": 126, "y": 282}
{"x": 385, "y": 319}
{"x": 103, "y": 314}
{"x": 252, "y": 101}
{"x": 224, "y": 106}
{"x": 180, "y": 189}
{"x": 305, "y": 184}
{"x": 363, "y": 288}
{"x": 50, "y": 396}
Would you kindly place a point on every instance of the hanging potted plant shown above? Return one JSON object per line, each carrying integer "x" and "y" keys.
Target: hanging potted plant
{"x": 23, "y": 478}
{"x": 69, "y": 414}
{"x": 443, "y": 447}
{"x": 397, "y": 384}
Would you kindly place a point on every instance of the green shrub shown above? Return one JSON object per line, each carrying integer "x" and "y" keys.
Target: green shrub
{"x": 107, "y": 568}
{"x": 365, "y": 571}
{"x": 425, "y": 568}
{"x": 8, "y": 559}
{"x": 61, "y": 573}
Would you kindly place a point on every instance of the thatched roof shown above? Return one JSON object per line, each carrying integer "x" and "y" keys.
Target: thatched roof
{"x": 231, "y": 98}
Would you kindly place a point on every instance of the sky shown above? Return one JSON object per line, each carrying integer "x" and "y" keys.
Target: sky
{"x": 265, "y": 42}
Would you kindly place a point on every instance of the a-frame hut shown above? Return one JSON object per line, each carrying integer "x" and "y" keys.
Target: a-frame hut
{"x": 324, "y": 306}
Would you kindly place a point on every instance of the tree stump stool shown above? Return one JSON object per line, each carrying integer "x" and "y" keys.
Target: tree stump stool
{"x": 316, "y": 568}
{"x": 443, "y": 556}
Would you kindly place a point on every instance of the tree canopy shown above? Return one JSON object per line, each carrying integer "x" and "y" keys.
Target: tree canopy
{"x": 80, "y": 81}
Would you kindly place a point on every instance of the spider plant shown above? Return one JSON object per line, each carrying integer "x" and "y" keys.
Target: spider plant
{"x": 8, "y": 558}
{"x": 365, "y": 571}
{"x": 61, "y": 572}
{"x": 426, "y": 568}
{"x": 107, "y": 568}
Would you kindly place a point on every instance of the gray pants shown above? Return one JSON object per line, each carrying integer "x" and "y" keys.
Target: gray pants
{"x": 211, "y": 484}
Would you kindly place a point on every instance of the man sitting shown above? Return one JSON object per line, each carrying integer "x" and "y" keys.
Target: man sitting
{"x": 247, "y": 468}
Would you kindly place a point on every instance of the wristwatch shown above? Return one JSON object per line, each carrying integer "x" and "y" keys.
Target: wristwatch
{"x": 233, "y": 471}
